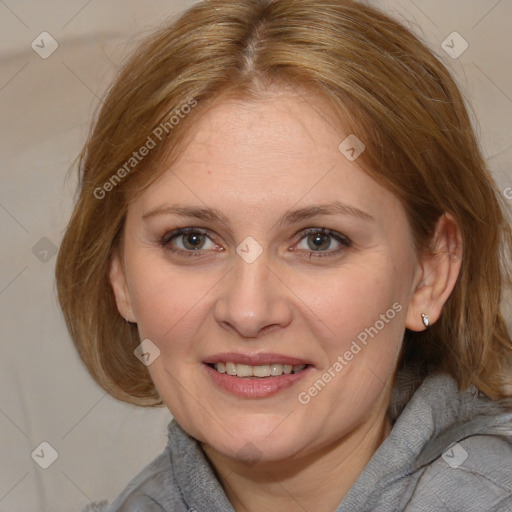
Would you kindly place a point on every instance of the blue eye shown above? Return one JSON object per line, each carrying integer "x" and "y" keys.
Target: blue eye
{"x": 319, "y": 241}
{"x": 196, "y": 242}
{"x": 189, "y": 240}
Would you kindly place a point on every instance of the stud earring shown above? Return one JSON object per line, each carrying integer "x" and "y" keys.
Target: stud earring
{"x": 426, "y": 321}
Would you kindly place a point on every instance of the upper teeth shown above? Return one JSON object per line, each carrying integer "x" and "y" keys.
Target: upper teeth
{"x": 264, "y": 370}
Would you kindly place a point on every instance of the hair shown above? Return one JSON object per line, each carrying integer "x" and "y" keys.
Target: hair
{"x": 384, "y": 85}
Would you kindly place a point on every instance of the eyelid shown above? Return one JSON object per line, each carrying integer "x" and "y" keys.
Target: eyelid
{"x": 175, "y": 233}
{"x": 343, "y": 240}
{"x": 339, "y": 237}
{"x": 324, "y": 231}
{"x": 178, "y": 232}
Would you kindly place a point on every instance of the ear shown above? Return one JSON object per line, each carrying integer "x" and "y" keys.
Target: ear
{"x": 120, "y": 288}
{"x": 437, "y": 274}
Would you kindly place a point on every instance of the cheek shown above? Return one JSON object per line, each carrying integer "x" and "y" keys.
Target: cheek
{"x": 360, "y": 323}
{"x": 353, "y": 299}
{"x": 166, "y": 303}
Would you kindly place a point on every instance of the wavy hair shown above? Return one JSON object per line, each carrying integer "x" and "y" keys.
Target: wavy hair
{"x": 385, "y": 85}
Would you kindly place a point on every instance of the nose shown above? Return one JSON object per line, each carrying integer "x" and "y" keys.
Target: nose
{"x": 253, "y": 299}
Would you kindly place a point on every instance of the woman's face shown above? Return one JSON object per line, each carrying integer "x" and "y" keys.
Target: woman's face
{"x": 292, "y": 256}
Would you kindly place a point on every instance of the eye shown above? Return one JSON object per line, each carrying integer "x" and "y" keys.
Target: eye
{"x": 195, "y": 242}
{"x": 188, "y": 240}
{"x": 321, "y": 240}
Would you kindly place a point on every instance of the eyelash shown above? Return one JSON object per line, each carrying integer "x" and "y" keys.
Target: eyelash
{"x": 342, "y": 239}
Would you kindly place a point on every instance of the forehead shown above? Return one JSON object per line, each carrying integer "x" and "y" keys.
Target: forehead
{"x": 294, "y": 125}
{"x": 263, "y": 155}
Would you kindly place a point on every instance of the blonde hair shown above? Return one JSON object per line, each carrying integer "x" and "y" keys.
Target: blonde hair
{"x": 387, "y": 88}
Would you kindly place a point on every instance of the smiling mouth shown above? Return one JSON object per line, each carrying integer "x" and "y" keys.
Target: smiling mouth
{"x": 261, "y": 371}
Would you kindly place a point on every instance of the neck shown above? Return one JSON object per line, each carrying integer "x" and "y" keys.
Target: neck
{"x": 318, "y": 481}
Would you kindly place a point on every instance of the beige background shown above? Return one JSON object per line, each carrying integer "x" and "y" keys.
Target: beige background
{"x": 46, "y": 104}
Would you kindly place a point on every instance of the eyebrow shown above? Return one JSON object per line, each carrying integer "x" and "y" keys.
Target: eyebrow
{"x": 290, "y": 217}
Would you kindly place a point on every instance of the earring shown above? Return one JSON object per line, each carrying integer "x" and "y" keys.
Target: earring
{"x": 426, "y": 321}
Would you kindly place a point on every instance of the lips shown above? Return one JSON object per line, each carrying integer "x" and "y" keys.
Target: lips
{"x": 255, "y": 376}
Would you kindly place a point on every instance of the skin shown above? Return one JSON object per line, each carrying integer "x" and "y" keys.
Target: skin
{"x": 254, "y": 161}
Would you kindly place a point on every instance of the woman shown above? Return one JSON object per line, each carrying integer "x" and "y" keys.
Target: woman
{"x": 286, "y": 234}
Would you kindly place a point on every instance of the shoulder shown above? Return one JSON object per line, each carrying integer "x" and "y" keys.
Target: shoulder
{"x": 97, "y": 506}
{"x": 473, "y": 474}
{"x": 153, "y": 489}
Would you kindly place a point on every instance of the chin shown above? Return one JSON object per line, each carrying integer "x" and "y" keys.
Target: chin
{"x": 260, "y": 441}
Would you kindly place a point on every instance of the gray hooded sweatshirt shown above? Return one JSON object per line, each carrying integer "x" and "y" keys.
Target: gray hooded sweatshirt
{"x": 448, "y": 450}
